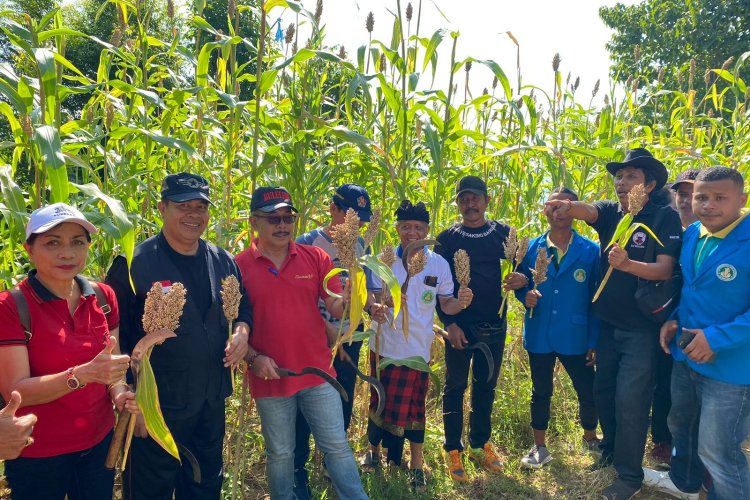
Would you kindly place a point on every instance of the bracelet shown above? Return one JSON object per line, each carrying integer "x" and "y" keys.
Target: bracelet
{"x": 251, "y": 359}
{"x": 117, "y": 384}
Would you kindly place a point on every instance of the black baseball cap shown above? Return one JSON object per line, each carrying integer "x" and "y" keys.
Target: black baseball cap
{"x": 268, "y": 199}
{"x": 687, "y": 176}
{"x": 355, "y": 197}
{"x": 471, "y": 184}
{"x": 184, "y": 187}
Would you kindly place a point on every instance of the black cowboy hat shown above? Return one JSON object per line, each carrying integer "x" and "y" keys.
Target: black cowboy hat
{"x": 643, "y": 159}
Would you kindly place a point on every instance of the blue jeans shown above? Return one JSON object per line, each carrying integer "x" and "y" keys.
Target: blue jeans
{"x": 709, "y": 420}
{"x": 79, "y": 475}
{"x": 623, "y": 388}
{"x": 321, "y": 406}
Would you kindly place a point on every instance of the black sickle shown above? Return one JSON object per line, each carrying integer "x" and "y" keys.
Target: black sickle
{"x": 375, "y": 384}
{"x": 193, "y": 462}
{"x": 478, "y": 346}
{"x": 313, "y": 370}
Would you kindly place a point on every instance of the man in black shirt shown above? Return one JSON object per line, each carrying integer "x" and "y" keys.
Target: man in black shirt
{"x": 628, "y": 341}
{"x": 483, "y": 240}
{"x": 192, "y": 369}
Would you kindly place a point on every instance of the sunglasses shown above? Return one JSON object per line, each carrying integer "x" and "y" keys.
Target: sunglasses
{"x": 276, "y": 219}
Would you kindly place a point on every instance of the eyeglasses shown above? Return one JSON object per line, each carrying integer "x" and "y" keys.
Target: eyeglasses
{"x": 276, "y": 219}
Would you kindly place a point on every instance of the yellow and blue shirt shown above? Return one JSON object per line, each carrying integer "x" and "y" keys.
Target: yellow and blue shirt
{"x": 716, "y": 298}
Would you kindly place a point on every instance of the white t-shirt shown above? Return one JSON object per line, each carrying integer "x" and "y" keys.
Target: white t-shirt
{"x": 424, "y": 289}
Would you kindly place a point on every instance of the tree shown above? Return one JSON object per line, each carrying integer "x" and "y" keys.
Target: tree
{"x": 656, "y": 34}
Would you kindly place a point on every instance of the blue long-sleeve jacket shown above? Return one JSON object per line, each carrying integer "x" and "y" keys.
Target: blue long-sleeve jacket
{"x": 562, "y": 321}
{"x": 716, "y": 299}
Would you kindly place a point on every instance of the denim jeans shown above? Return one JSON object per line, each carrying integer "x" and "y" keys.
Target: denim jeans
{"x": 347, "y": 377}
{"x": 542, "y": 374}
{"x": 80, "y": 475}
{"x": 482, "y": 395}
{"x": 321, "y": 406}
{"x": 709, "y": 420}
{"x": 623, "y": 389}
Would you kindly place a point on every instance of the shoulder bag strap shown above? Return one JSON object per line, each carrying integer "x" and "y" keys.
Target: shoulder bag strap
{"x": 23, "y": 311}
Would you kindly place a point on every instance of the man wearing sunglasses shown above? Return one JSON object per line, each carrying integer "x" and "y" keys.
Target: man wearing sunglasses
{"x": 286, "y": 283}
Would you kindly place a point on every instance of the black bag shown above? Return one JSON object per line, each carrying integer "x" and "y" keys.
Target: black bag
{"x": 658, "y": 299}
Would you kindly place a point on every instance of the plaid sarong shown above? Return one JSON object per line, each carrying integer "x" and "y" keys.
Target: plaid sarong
{"x": 406, "y": 392}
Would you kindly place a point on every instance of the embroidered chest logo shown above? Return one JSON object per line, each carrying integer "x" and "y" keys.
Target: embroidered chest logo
{"x": 579, "y": 275}
{"x": 428, "y": 296}
{"x": 726, "y": 272}
{"x": 639, "y": 239}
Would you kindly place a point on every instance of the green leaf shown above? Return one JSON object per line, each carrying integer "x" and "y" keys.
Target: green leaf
{"x": 386, "y": 275}
{"x": 622, "y": 226}
{"x": 361, "y": 336}
{"x": 413, "y": 362}
{"x": 47, "y": 139}
{"x": 147, "y": 397}
{"x": 333, "y": 272}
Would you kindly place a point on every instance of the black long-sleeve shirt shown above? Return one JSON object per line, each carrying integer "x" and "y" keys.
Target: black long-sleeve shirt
{"x": 485, "y": 248}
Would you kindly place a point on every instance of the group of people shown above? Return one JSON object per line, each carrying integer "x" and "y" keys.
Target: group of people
{"x": 63, "y": 369}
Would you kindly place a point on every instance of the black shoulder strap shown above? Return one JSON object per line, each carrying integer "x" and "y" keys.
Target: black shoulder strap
{"x": 101, "y": 300}
{"x": 22, "y": 306}
{"x": 23, "y": 311}
{"x": 650, "y": 252}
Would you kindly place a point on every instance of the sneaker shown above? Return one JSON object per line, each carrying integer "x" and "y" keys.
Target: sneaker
{"x": 455, "y": 466}
{"x": 486, "y": 458}
{"x": 370, "y": 462}
{"x": 301, "y": 485}
{"x": 417, "y": 480}
{"x": 605, "y": 460}
{"x": 661, "y": 454}
{"x": 619, "y": 491}
{"x": 537, "y": 457}
{"x": 661, "y": 482}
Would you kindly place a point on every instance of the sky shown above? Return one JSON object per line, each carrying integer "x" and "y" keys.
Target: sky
{"x": 542, "y": 28}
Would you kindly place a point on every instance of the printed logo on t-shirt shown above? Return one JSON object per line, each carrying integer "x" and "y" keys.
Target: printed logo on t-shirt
{"x": 639, "y": 239}
{"x": 428, "y": 296}
{"x": 303, "y": 276}
{"x": 579, "y": 275}
{"x": 726, "y": 272}
{"x": 166, "y": 286}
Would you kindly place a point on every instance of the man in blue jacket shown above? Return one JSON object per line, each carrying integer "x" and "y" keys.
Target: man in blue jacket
{"x": 710, "y": 342}
{"x": 562, "y": 326}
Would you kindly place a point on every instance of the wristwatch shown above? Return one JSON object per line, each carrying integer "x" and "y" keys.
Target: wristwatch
{"x": 73, "y": 381}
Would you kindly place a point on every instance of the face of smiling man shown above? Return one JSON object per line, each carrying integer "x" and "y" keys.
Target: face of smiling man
{"x": 184, "y": 223}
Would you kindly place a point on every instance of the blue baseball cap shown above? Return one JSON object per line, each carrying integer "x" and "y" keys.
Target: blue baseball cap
{"x": 355, "y": 197}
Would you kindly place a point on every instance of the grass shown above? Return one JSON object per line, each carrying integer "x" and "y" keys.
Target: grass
{"x": 565, "y": 477}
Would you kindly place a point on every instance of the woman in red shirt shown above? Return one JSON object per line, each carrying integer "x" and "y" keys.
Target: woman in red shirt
{"x": 68, "y": 369}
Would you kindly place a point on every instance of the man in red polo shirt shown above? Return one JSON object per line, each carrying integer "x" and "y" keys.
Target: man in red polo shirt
{"x": 284, "y": 282}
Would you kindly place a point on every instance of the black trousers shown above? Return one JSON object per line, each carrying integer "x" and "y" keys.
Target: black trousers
{"x": 80, "y": 475}
{"x": 623, "y": 388}
{"x": 152, "y": 473}
{"x": 482, "y": 394}
{"x": 347, "y": 377}
{"x": 662, "y": 399}
{"x": 542, "y": 373}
